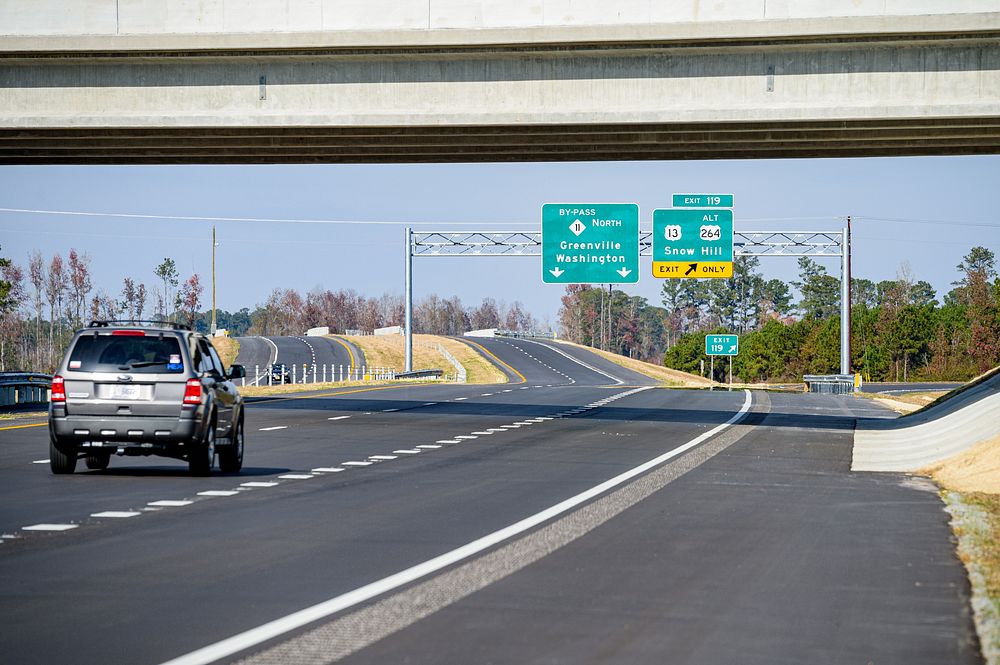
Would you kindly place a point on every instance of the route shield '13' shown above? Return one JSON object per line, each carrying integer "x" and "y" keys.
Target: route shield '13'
{"x": 590, "y": 243}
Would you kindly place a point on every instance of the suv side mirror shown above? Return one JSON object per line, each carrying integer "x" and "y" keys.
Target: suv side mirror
{"x": 237, "y": 372}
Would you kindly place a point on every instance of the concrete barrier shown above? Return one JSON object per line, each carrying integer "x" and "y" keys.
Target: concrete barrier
{"x": 932, "y": 434}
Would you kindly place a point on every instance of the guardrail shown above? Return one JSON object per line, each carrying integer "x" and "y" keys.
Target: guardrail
{"x": 830, "y": 384}
{"x": 524, "y": 333}
{"x": 421, "y": 374}
{"x": 24, "y": 388}
{"x": 460, "y": 373}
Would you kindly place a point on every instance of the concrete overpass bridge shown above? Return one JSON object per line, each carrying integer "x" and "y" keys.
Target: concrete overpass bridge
{"x": 240, "y": 81}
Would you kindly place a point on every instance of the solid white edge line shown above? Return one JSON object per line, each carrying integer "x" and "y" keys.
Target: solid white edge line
{"x": 296, "y": 620}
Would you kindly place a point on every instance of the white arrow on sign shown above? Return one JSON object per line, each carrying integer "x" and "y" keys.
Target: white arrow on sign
{"x": 557, "y": 271}
{"x": 623, "y": 272}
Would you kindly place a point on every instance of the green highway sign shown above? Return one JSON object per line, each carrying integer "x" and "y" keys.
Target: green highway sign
{"x": 722, "y": 345}
{"x": 691, "y": 243}
{"x": 590, "y": 243}
{"x": 703, "y": 200}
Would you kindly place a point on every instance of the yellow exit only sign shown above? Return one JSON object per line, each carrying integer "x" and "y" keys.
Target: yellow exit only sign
{"x": 692, "y": 270}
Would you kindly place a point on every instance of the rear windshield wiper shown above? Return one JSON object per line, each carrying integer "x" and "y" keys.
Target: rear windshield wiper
{"x": 143, "y": 363}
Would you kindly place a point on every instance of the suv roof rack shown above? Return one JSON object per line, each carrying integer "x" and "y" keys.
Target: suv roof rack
{"x": 112, "y": 322}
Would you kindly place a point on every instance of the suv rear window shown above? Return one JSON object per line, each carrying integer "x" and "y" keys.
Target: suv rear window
{"x": 126, "y": 353}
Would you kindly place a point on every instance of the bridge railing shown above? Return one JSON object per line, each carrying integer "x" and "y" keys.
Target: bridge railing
{"x": 24, "y": 388}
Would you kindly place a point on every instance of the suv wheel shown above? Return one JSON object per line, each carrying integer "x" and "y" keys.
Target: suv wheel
{"x": 62, "y": 455}
{"x": 98, "y": 461}
{"x": 231, "y": 456}
{"x": 201, "y": 457}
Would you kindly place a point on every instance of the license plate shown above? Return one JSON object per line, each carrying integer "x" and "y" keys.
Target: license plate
{"x": 125, "y": 392}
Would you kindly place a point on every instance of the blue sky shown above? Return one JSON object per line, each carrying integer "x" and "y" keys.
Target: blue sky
{"x": 956, "y": 195}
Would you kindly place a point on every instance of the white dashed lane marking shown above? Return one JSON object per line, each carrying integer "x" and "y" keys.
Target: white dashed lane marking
{"x": 116, "y": 513}
{"x": 49, "y": 527}
{"x": 40, "y": 461}
{"x": 319, "y": 471}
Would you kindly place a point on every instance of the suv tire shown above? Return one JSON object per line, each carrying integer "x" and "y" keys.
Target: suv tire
{"x": 62, "y": 455}
{"x": 231, "y": 456}
{"x": 201, "y": 457}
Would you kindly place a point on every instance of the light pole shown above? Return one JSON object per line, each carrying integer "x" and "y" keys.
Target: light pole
{"x": 214, "y": 245}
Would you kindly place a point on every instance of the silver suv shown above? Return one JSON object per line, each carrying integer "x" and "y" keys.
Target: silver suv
{"x": 145, "y": 388}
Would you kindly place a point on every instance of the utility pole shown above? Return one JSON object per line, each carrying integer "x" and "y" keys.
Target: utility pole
{"x": 214, "y": 245}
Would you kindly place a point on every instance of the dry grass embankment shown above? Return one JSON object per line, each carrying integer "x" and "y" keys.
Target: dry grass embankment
{"x": 668, "y": 377}
{"x": 228, "y": 349}
{"x": 388, "y": 351}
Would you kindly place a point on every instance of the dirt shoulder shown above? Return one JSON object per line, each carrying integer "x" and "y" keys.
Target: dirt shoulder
{"x": 971, "y": 482}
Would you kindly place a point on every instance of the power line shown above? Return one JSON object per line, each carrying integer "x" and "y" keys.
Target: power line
{"x": 943, "y": 222}
{"x": 193, "y": 218}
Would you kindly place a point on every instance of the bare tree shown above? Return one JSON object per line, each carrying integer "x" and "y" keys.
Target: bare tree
{"x": 12, "y": 294}
{"x": 56, "y": 283}
{"x": 190, "y": 297}
{"x": 80, "y": 283}
{"x": 36, "y": 275}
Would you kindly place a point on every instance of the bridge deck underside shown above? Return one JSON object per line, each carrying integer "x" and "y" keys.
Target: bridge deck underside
{"x": 501, "y": 143}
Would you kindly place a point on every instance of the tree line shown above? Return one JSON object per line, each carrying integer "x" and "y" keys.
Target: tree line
{"x": 287, "y": 312}
{"x": 44, "y": 303}
{"x": 899, "y": 329}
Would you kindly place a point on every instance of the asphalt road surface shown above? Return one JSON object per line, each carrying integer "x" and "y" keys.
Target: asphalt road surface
{"x": 574, "y": 516}
{"x": 256, "y": 353}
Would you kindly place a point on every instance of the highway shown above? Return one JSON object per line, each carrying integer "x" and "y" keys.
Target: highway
{"x": 578, "y": 514}
{"x": 259, "y": 352}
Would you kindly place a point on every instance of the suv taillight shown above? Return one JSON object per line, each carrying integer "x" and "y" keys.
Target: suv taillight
{"x": 192, "y": 392}
{"x": 58, "y": 389}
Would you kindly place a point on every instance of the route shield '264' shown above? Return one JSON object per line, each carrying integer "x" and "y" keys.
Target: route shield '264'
{"x": 692, "y": 243}
{"x": 590, "y": 243}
